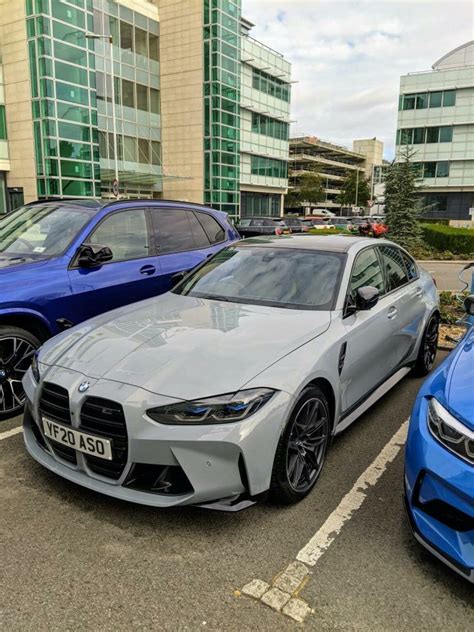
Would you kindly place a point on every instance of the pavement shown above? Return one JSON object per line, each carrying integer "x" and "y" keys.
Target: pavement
{"x": 74, "y": 560}
{"x": 446, "y": 273}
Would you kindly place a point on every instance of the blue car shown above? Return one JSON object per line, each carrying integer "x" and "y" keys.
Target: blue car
{"x": 62, "y": 262}
{"x": 439, "y": 464}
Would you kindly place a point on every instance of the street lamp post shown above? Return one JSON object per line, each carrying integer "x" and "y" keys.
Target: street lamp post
{"x": 96, "y": 36}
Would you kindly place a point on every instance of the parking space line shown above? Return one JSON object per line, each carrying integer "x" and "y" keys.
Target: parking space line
{"x": 10, "y": 433}
{"x": 283, "y": 592}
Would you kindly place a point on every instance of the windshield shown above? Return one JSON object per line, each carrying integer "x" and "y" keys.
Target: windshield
{"x": 43, "y": 230}
{"x": 281, "y": 277}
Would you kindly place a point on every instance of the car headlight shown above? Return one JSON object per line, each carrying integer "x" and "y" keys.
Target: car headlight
{"x": 214, "y": 410}
{"x": 35, "y": 367}
{"x": 450, "y": 432}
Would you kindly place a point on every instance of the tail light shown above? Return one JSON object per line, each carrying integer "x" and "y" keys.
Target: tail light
{"x": 278, "y": 231}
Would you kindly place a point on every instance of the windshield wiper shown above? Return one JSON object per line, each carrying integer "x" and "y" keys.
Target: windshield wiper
{"x": 214, "y": 297}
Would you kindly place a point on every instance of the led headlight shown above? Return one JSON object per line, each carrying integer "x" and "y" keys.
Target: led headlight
{"x": 450, "y": 432}
{"x": 35, "y": 367}
{"x": 214, "y": 410}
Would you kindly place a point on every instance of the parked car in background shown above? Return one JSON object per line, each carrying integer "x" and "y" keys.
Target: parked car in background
{"x": 62, "y": 262}
{"x": 439, "y": 459}
{"x": 296, "y": 224}
{"x": 341, "y": 222}
{"x": 233, "y": 384}
{"x": 255, "y": 226}
{"x": 320, "y": 224}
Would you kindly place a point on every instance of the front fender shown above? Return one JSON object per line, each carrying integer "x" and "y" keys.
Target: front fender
{"x": 10, "y": 313}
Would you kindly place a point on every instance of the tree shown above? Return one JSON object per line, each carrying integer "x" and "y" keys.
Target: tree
{"x": 401, "y": 204}
{"x": 308, "y": 189}
{"x": 355, "y": 190}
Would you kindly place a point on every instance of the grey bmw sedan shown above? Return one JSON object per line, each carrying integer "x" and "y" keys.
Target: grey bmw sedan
{"x": 229, "y": 387}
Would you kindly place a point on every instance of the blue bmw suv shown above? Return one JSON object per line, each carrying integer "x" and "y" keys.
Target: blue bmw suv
{"x": 64, "y": 261}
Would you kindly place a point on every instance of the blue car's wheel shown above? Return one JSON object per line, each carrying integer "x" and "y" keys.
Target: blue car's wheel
{"x": 428, "y": 348}
{"x": 302, "y": 448}
{"x": 17, "y": 347}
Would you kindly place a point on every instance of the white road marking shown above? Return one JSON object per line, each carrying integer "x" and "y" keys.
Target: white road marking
{"x": 352, "y": 501}
{"x": 10, "y": 433}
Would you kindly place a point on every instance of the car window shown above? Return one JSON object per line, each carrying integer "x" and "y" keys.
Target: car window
{"x": 258, "y": 222}
{"x": 245, "y": 222}
{"x": 366, "y": 271}
{"x": 172, "y": 229}
{"x": 125, "y": 233}
{"x": 213, "y": 229}
{"x": 410, "y": 265}
{"x": 201, "y": 240}
{"x": 394, "y": 267}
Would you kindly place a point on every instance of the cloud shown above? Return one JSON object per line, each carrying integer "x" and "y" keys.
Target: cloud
{"x": 348, "y": 57}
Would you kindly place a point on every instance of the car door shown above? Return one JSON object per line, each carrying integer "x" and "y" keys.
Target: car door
{"x": 365, "y": 347}
{"x": 408, "y": 308}
{"x": 182, "y": 241}
{"x": 132, "y": 275}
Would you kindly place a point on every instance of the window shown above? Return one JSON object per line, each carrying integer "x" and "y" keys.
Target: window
{"x": 155, "y": 152}
{"x": 128, "y": 94}
{"x": 442, "y": 169}
{"x": 213, "y": 229}
{"x": 142, "y": 97}
{"x": 154, "y": 101}
{"x": 199, "y": 236}
{"x": 126, "y": 36}
{"x": 449, "y": 98}
{"x": 409, "y": 102}
{"x": 406, "y": 137}
{"x": 432, "y": 134}
{"x": 130, "y": 149}
{"x": 143, "y": 151}
{"x": 3, "y": 123}
{"x": 422, "y": 101}
{"x": 366, "y": 271}
{"x": 418, "y": 135}
{"x": 172, "y": 230}
{"x": 153, "y": 41}
{"x": 429, "y": 170}
{"x": 435, "y": 99}
{"x": 410, "y": 265}
{"x": 445, "y": 134}
{"x": 141, "y": 47}
{"x": 125, "y": 233}
{"x": 394, "y": 267}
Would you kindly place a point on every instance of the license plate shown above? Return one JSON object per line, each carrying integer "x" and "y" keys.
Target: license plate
{"x": 95, "y": 446}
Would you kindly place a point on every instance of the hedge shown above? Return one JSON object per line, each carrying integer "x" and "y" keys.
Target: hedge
{"x": 327, "y": 231}
{"x": 456, "y": 240}
{"x": 434, "y": 220}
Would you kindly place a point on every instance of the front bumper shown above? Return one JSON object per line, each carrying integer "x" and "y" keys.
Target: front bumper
{"x": 194, "y": 464}
{"x": 439, "y": 496}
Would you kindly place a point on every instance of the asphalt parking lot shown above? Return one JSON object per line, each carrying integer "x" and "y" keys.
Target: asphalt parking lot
{"x": 71, "y": 559}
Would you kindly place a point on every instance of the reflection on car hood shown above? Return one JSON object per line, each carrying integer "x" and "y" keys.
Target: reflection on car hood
{"x": 460, "y": 382}
{"x": 182, "y": 346}
{"x": 7, "y": 261}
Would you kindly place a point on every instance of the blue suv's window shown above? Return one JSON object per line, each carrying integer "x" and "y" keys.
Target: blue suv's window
{"x": 177, "y": 230}
{"x": 213, "y": 229}
{"x": 125, "y": 233}
{"x": 43, "y": 230}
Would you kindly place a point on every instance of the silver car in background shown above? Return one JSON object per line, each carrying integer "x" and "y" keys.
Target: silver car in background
{"x": 232, "y": 385}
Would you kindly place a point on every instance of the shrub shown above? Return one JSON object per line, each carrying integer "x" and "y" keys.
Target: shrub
{"x": 434, "y": 220}
{"x": 456, "y": 240}
{"x": 327, "y": 231}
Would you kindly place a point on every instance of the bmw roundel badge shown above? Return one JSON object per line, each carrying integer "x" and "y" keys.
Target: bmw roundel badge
{"x": 83, "y": 386}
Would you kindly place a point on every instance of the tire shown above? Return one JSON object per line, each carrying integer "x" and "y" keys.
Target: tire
{"x": 16, "y": 350}
{"x": 296, "y": 468}
{"x": 428, "y": 347}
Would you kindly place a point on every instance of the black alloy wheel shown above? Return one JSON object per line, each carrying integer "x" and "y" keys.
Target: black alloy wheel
{"x": 302, "y": 448}
{"x": 428, "y": 348}
{"x": 17, "y": 347}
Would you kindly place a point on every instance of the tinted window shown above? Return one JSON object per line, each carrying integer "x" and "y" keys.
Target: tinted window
{"x": 394, "y": 266}
{"x": 283, "y": 277}
{"x": 213, "y": 229}
{"x": 172, "y": 229}
{"x": 366, "y": 271}
{"x": 410, "y": 266}
{"x": 125, "y": 233}
{"x": 200, "y": 238}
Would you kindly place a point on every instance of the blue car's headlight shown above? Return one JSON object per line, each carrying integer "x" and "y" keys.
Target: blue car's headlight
{"x": 35, "y": 367}
{"x": 214, "y": 410}
{"x": 450, "y": 432}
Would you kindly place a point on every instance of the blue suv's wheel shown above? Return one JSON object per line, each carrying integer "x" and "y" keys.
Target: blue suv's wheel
{"x": 17, "y": 347}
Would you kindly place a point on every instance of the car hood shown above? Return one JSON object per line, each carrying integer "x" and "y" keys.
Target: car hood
{"x": 7, "y": 262}
{"x": 460, "y": 381}
{"x": 184, "y": 347}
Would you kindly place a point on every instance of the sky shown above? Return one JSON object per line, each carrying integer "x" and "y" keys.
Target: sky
{"x": 348, "y": 56}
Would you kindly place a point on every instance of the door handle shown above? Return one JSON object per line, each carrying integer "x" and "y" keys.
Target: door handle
{"x": 392, "y": 313}
{"x": 148, "y": 270}
{"x": 419, "y": 291}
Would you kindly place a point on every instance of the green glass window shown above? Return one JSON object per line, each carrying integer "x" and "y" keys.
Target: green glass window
{"x": 72, "y": 113}
{"x": 445, "y": 134}
{"x": 49, "y": 127}
{"x": 435, "y": 99}
{"x": 45, "y": 66}
{"x": 429, "y": 170}
{"x": 449, "y": 98}
{"x": 71, "y": 54}
{"x": 73, "y": 132}
{"x": 35, "y": 109}
{"x": 44, "y": 46}
{"x": 68, "y": 34}
{"x": 43, "y": 26}
{"x": 52, "y": 187}
{"x": 409, "y": 101}
{"x": 418, "y": 135}
{"x": 70, "y": 74}
{"x": 3, "y": 123}
{"x": 68, "y": 14}
{"x": 77, "y": 187}
{"x": 406, "y": 136}
{"x": 30, "y": 27}
{"x": 65, "y": 92}
{"x": 442, "y": 169}
{"x": 33, "y": 69}
{"x": 46, "y": 88}
{"x": 72, "y": 169}
{"x": 102, "y": 144}
{"x": 51, "y": 167}
{"x": 422, "y": 101}
{"x": 68, "y": 149}
{"x": 432, "y": 134}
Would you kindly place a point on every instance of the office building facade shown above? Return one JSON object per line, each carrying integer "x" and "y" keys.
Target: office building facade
{"x": 436, "y": 123}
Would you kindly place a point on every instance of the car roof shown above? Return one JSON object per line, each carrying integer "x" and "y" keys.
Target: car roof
{"x": 99, "y": 204}
{"x": 328, "y": 243}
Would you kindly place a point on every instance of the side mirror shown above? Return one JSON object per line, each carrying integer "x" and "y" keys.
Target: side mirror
{"x": 177, "y": 278}
{"x": 92, "y": 255}
{"x": 367, "y": 297}
{"x": 469, "y": 304}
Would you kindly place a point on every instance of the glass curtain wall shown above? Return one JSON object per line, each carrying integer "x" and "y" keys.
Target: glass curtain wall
{"x": 222, "y": 104}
